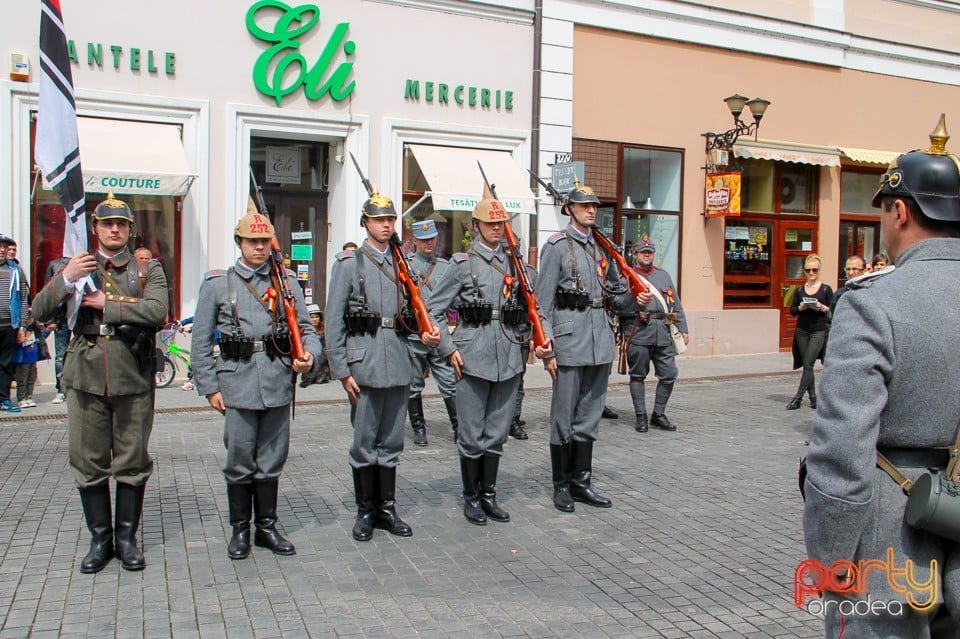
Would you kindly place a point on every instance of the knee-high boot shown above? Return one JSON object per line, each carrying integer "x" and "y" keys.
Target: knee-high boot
{"x": 470, "y": 475}
{"x": 560, "y": 462}
{"x": 265, "y": 494}
{"x": 364, "y": 484}
{"x": 240, "y": 500}
{"x": 387, "y": 517}
{"x": 639, "y": 405}
{"x": 489, "y": 466}
{"x": 96, "y": 510}
{"x": 419, "y": 424}
{"x": 580, "y": 488}
{"x": 451, "y": 404}
{"x": 127, "y": 522}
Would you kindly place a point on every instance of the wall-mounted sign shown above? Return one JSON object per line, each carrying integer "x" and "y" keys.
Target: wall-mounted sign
{"x": 723, "y": 194}
{"x": 301, "y": 235}
{"x": 564, "y": 174}
{"x": 136, "y": 58}
{"x": 464, "y": 95}
{"x": 301, "y": 252}
{"x": 282, "y": 69}
{"x": 283, "y": 165}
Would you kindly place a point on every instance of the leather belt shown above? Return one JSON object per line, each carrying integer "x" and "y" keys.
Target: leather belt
{"x": 96, "y": 331}
{"x": 650, "y": 316}
{"x": 917, "y": 457}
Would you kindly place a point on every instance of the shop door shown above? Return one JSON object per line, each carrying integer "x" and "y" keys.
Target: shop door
{"x": 301, "y": 224}
{"x": 794, "y": 240}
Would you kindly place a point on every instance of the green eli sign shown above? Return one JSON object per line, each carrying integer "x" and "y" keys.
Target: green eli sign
{"x": 282, "y": 70}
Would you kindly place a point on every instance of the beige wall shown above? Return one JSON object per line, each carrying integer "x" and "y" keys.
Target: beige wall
{"x": 792, "y": 10}
{"x": 898, "y": 22}
{"x": 672, "y": 92}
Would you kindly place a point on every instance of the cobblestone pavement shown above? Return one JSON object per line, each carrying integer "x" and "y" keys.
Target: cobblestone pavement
{"x": 701, "y": 542}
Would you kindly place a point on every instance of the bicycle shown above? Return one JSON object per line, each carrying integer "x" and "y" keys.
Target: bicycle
{"x": 171, "y": 353}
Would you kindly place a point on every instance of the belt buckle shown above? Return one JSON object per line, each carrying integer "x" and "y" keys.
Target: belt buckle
{"x": 388, "y": 322}
{"x": 596, "y": 302}
{"x": 494, "y": 313}
{"x": 107, "y": 329}
{"x": 258, "y": 346}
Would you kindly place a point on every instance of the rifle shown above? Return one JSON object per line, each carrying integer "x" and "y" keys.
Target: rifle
{"x": 526, "y": 287}
{"x": 404, "y": 273}
{"x": 286, "y": 293}
{"x": 633, "y": 280}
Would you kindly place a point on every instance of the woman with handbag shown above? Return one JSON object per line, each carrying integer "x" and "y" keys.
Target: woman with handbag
{"x": 811, "y": 306}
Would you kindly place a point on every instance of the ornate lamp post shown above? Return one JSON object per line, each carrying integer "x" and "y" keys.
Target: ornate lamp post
{"x": 719, "y": 144}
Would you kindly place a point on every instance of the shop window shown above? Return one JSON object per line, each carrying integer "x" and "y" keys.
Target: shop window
{"x": 779, "y": 187}
{"x": 856, "y": 192}
{"x": 859, "y": 220}
{"x": 747, "y": 276}
{"x": 453, "y": 227}
{"x": 663, "y": 230}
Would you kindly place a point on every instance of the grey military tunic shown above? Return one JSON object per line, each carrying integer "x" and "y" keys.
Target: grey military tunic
{"x": 429, "y": 272}
{"x": 583, "y": 339}
{"x": 110, "y": 400}
{"x": 890, "y": 380}
{"x": 650, "y": 340}
{"x": 256, "y": 392}
{"x": 492, "y": 361}
{"x": 379, "y": 364}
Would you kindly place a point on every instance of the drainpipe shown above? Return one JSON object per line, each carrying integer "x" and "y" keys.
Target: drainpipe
{"x": 532, "y": 257}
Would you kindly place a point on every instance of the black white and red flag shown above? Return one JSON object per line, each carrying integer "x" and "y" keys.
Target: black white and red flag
{"x": 57, "y": 148}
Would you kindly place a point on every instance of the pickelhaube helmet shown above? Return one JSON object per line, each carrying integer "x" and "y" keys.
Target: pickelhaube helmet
{"x": 378, "y": 205}
{"x": 254, "y": 225}
{"x": 489, "y": 209}
{"x": 112, "y": 208}
{"x": 931, "y": 177}
{"x": 579, "y": 193}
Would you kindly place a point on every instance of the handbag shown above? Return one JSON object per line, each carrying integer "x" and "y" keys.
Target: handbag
{"x": 933, "y": 501}
{"x": 679, "y": 347}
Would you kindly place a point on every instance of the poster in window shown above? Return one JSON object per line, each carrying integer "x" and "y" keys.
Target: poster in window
{"x": 723, "y": 194}
{"x": 283, "y": 165}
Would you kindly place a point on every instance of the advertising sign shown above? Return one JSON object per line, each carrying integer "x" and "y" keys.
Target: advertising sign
{"x": 723, "y": 194}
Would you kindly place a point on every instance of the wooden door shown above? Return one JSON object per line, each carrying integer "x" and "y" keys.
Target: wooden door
{"x": 301, "y": 223}
{"x": 794, "y": 240}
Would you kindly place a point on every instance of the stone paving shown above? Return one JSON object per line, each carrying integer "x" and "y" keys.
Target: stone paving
{"x": 701, "y": 542}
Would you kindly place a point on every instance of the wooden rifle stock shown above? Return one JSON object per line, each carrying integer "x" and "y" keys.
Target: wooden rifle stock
{"x": 413, "y": 291}
{"x": 633, "y": 280}
{"x": 526, "y": 289}
{"x": 289, "y": 300}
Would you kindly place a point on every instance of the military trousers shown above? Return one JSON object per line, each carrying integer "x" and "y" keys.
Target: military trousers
{"x": 257, "y": 443}
{"x": 421, "y": 357}
{"x": 484, "y": 410}
{"x": 378, "y": 418}
{"x": 664, "y": 361}
{"x": 577, "y": 403}
{"x": 109, "y": 435}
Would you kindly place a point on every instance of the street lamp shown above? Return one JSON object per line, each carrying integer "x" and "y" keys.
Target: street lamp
{"x": 736, "y": 103}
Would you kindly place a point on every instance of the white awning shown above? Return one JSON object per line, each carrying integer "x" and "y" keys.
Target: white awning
{"x": 456, "y": 184}
{"x": 132, "y": 158}
{"x": 869, "y": 156}
{"x": 788, "y": 152}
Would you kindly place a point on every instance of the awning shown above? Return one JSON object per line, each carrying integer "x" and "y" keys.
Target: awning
{"x": 868, "y": 156}
{"x": 456, "y": 184}
{"x": 132, "y": 158}
{"x": 788, "y": 152}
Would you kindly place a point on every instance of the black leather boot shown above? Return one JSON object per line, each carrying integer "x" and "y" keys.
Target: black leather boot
{"x": 582, "y": 470}
{"x": 96, "y": 510}
{"x": 387, "y": 517}
{"x": 795, "y": 403}
{"x": 415, "y": 410}
{"x": 516, "y": 429}
{"x": 609, "y": 413}
{"x": 489, "y": 465}
{"x": 560, "y": 463}
{"x": 642, "y": 425}
{"x": 240, "y": 500}
{"x": 265, "y": 494}
{"x": 126, "y": 523}
{"x": 659, "y": 420}
{"x": 470, "y": 474}
{"x": 813, "y": 399}
{"x": 451, "y": 404}
{"x": 364, "y": 483}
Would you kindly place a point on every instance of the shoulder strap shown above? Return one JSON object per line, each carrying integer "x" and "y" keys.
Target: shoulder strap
{"x": 887, "y": 466}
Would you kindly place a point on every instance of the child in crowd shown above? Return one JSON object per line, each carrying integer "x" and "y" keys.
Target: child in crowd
{"x": 33, "y": 349}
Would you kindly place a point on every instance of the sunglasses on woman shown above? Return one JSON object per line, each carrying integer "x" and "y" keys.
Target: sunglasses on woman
{"x": 811, "y": 270}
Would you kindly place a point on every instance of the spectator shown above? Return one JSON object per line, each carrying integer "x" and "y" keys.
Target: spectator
{"x": 322, "y": 374}
{"x": 144, "y": 257}
{"x": 13, "y": 316}
{"x": 61, "y": 332}
{"x": 350, "y": 246}
{"x": 811, "y": 305}
{"x": 31, "y": 350}
{"x": 879, "y": 261}
{"x": 854, "y": 267}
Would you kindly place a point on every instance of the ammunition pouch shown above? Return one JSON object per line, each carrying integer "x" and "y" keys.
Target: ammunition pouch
{"x": 513, "y": 314}
{"x": 236, "y": 347}
{"x": 141, "y": 342}
{"x": 572, "y": 299}
{"x": 476, "y": 312}
{"x": 277, "y": 345}
{"x": 360, "y": 322}
{"x": 407, "y": 322}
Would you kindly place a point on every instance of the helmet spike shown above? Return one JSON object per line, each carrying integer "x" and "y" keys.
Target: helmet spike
{"x": 939, "y": 137}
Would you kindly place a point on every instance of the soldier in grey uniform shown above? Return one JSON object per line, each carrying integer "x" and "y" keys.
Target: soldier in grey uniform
{"x": 108, "y": 377}
{"x": 369, "y": 355}
{"x": 646, "y": 330}
{"x": 251, "y": 380}
{"x": 485, "y": 351}
{"x": 574, "y": 274}
{"x": 429, "y": 269}
{"x": 890, "y": 385}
